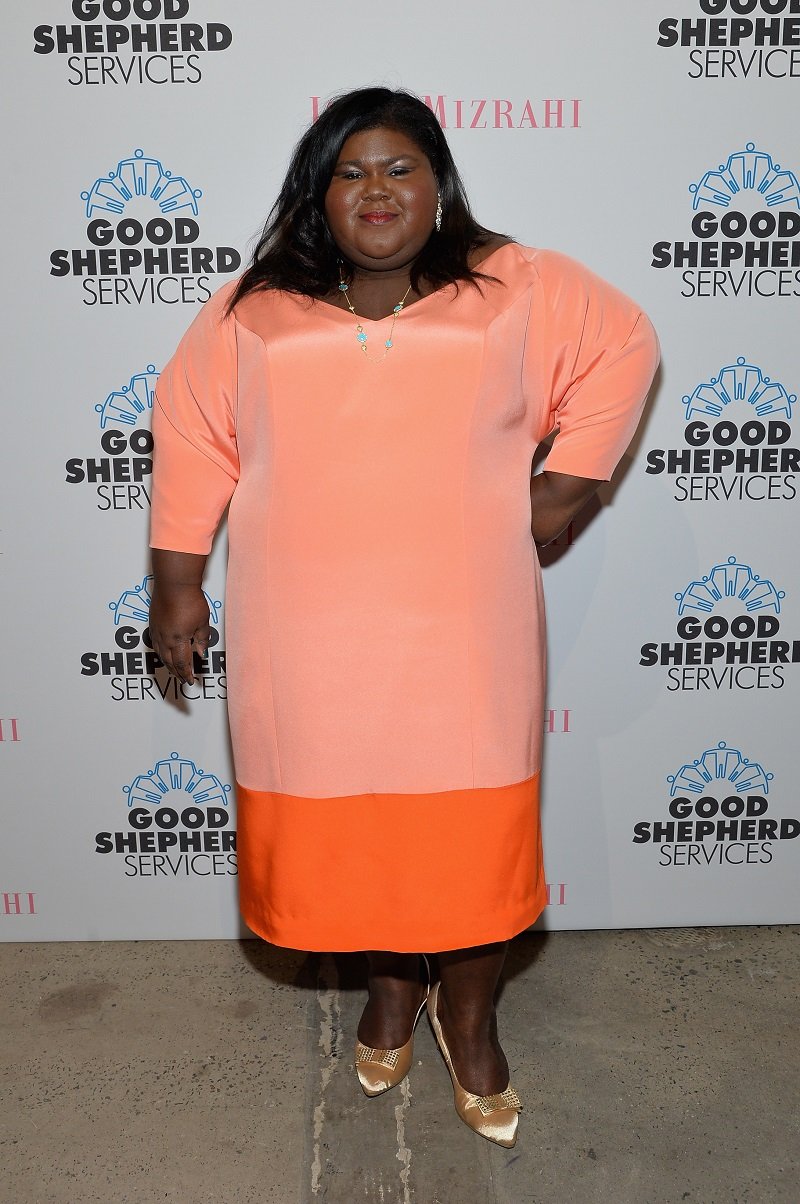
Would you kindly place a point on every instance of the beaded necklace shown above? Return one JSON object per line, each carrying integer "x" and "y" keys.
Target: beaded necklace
{"x": 361, "y": 333}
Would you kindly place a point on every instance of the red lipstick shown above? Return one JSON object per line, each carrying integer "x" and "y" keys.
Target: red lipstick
{"x": 378, "y": 217}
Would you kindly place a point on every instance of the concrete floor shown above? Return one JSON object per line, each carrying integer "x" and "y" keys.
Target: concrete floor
{"x": 655, "y": 1066}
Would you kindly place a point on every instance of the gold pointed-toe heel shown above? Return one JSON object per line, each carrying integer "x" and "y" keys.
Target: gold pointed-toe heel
{"x": 494, "y": 1117}
{"x": 380, "y": 1069}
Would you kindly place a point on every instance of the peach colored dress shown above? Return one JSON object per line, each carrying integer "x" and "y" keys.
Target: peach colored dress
{"x": 384, "y": 615}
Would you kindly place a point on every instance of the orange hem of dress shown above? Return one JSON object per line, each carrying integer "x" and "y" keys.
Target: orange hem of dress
{"x": 403, "y": 872}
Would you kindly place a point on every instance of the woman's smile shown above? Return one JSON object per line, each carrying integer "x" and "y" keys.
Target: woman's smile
{"x": 378, "y": 217}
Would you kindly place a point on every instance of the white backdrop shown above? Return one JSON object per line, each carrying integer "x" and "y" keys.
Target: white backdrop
{"x": 147, "y": 143}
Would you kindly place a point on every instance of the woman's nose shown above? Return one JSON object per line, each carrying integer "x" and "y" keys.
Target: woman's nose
{"x": 375, "y": 188}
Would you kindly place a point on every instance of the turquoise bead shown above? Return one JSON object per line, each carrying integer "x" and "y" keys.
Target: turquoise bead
{"x": 388, "y": 344}
{"x": 362, "y": 338}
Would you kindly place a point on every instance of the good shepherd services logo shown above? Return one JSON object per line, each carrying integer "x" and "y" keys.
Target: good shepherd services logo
{"x": 120, "y": 472}
{"x": 738, "y": 39}
{"x": 750, "y": 250}
{"x": 726, "y": 460}
{"x": 139, "y": 259}
{"x": 178, "y": 824}
{"x": 728, "y": 634}
{"x": 135, "y": 673}
{"x": 132, "y": 42}
{"x": 717, "y": 814}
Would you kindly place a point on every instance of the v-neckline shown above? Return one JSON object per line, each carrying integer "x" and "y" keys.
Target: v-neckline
{"x": 337, "y": 309}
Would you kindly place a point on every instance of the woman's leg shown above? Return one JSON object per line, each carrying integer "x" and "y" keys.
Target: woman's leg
{"x": 466, "y": 1012}
{"x": 395, "y": 993}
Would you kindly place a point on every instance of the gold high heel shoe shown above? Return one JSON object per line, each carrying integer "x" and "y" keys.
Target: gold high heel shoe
{"x": 380, "y": 1069}
{"x": 494, "y": 1117}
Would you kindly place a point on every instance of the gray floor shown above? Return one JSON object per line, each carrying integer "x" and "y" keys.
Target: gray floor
{"x": 655, "y": 1066}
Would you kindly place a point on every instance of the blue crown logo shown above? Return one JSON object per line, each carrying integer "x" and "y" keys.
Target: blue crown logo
{"x": 730, "y": 580}
{"x": 740, "y": 382}
{"x": 134, "y": 604}
{"x": 720, "y": 764}
{"x": 126, "y": 405}
{"x": 176, "y": 773}
{"x": 747, "y": 170}
{"x": 140, "y": 176}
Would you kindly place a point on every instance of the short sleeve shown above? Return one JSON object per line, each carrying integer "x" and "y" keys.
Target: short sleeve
{"x": 600, "y": 353}
{"x": 195, "y": 458}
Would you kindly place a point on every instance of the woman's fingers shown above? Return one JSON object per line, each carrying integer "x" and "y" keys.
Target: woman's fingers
{"x": 200, "y": 639}
{"x": 177, "y": 653}
{"x": 179, "y": 626}
{"x": 182, "y": 659}
{"x": 176, "y": 657}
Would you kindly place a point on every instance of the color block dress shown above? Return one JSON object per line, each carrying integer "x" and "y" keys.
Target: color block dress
{"x": 384, "y": 615}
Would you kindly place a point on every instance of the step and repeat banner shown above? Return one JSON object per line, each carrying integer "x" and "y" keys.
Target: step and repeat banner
{"x": 656, "y": 143}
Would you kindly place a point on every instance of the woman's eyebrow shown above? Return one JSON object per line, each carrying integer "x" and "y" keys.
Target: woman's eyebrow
{"x": 381, "y": 162}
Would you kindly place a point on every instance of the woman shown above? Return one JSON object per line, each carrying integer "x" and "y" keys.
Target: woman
{"x": 368, "y": 397}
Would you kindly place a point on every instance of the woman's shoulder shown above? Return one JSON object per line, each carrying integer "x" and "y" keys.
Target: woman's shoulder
{"x": 520, "y": 268}
{"x": 519, "y": 264}
{"x": 220, "y": 300}
{"x": 530, "y": 261}
{"x": 214, "y": 311}
{"x": 485, "y": 249}
{"x": 567, "y": 282}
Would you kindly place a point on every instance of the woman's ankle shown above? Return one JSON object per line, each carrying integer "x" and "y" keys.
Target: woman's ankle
{"x": 471, "y": 1037}
{"x": 388, "y": 1016}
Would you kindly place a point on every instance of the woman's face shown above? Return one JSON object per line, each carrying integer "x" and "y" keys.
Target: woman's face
{"x": 381, "y": 202}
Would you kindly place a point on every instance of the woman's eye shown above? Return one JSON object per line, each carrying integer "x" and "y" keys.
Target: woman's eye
{"x": 399, "y": 171}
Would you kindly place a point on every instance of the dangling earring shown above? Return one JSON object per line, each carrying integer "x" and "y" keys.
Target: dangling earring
{"x": 438, "y": 220}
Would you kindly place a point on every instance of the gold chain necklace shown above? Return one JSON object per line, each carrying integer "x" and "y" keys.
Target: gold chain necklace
{"x": 361, "y": 333}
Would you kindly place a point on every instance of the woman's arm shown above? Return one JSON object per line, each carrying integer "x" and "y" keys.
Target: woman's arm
{"x": 178, "y": 610}
{"x": 556, "y": 498}
{"x": 195, "y": 471}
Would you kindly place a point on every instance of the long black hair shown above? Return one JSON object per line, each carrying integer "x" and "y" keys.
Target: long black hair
{"x": 296, "y": 252}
